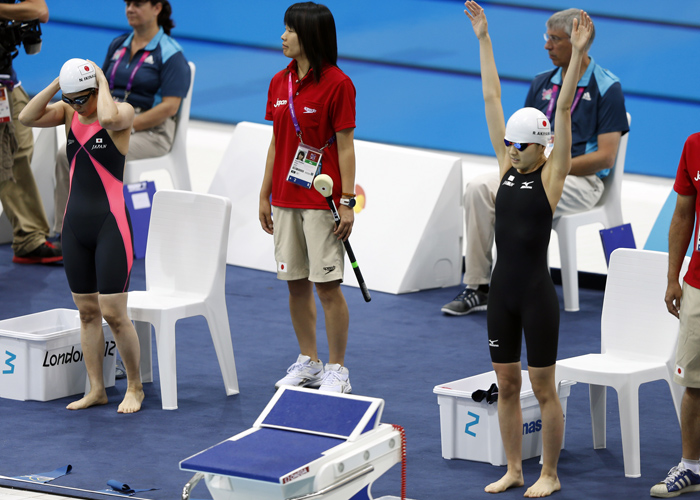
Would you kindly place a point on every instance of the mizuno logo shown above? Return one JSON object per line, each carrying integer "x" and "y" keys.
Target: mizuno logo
{"x": 526, "y": 185}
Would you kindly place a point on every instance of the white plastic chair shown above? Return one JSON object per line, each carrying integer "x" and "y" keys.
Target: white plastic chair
{"x": 608, "y": 211}
{"x": 638, "y": 345}
{"x": 175, "y": 161}
{"x": 185, "y": 276}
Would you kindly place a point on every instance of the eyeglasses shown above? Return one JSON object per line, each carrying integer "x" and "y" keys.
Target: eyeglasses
{"x": 78, "y": 101}
{"x": 554, "y": 38}
{"x": 520, "y": 146}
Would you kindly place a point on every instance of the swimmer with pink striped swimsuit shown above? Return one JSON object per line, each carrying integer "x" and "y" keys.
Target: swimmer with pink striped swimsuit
{"x": 96, "y": 236}
{"x": 96, "y": 225}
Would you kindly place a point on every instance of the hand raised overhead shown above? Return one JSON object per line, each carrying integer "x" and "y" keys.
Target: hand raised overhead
{"x": 581, "y": 31}
{"x": 476, "y": 15}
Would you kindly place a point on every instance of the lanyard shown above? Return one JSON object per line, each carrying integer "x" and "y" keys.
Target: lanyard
{"x": 553, "y": 98}
{"x": 294, "y": 115}
{"x": 133, "y": 73}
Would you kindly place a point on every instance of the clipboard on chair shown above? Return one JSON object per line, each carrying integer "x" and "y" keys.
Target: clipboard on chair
{"x": 616, "y": 237}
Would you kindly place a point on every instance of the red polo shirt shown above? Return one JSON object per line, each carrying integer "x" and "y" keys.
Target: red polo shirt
{"x": 687, "y": 183}
{"x": 322, "y": 109}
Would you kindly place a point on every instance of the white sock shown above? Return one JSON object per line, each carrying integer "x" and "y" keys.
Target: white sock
{"x": 693, "y": 465}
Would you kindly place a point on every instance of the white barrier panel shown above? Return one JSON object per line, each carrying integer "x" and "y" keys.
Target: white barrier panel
{"x": 408, "y": 230}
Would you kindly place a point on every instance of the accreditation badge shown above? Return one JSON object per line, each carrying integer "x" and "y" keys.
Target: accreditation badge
{"x": 306, "y": 163}
{"x": 4, "y": 105}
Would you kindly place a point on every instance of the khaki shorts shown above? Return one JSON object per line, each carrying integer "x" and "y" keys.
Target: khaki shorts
{"x": 687, "y": 372}
{"x": 305, "y": 246}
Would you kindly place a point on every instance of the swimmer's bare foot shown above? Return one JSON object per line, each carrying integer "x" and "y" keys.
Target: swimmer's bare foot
{"x": 545, "y": 486}
{"x": 510, "y": 480}
{"x": 90, "y": 399}
{"x": 132, "y": 401}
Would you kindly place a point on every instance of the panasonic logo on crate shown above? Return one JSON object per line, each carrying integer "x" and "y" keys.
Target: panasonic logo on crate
{"x": 532, "y": 427}
{"x": 42, "y": 359}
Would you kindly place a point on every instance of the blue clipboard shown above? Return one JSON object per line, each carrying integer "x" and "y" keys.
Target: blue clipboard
{"x": 139, "y": 199}
{"x": 616, "y": 237}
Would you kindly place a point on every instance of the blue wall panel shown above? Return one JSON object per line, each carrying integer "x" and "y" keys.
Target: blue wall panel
{"x": 414, "y": 63}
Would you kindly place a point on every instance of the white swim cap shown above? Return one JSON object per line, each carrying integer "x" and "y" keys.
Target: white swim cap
{"x": 528, "y": 125}
{"x": 77, "y": 75}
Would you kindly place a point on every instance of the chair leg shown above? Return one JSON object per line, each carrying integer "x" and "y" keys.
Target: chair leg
{"x": 217, "y": 318}
{"x": 569, "y": 269}
{"x": 597, "y": 395}
{"x": 143, "y": 330}
{"x": 628, "y": 399}
{"x": 167, "y": 363}
{"x": 180, "y": 176}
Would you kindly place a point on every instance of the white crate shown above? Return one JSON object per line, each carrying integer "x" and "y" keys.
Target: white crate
{"x": 41, "y": 358}
{"x": 470, "y": 431}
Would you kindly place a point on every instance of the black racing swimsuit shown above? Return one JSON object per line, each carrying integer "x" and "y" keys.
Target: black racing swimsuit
{"x": 522, "y": 295}
{"x": 96, "y": 237}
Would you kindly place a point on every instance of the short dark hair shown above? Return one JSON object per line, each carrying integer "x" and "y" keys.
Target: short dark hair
{"x": 314, "y": 25}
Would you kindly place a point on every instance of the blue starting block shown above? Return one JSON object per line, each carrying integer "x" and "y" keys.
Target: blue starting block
{"x": 305, "y": 445}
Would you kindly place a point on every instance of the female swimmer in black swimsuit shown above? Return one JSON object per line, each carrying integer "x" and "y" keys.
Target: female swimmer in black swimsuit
{"x": 522, "y": 295}
{"x": 96, "y": 237}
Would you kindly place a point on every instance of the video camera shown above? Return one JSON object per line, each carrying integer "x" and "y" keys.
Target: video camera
{"x": 16, "y": 33}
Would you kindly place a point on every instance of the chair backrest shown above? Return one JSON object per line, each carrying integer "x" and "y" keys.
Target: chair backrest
{"x": 612, "y": 195}
{"x": 187, "y": 242}
{"x": 183, "y": 117}
{"x": 635, "y": 318}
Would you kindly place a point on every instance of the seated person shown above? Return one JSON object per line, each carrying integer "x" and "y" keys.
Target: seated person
{"x": 147, "y": 69}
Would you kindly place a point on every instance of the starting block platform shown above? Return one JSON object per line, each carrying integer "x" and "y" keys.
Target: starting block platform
{"x": 288, "y": 455}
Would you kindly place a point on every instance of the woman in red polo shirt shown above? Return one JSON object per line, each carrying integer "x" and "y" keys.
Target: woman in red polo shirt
{"x": 312, "y": 107}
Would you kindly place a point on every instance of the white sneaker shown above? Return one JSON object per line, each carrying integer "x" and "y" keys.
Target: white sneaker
{"x": 303, "y": 373}
{"x": 336, "y": 378}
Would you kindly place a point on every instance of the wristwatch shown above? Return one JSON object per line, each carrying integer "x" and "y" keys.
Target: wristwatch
{"x": 348, "y": 202}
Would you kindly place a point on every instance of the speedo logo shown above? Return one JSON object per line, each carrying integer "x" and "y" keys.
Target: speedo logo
{"x": 530, "y": 427}
{"x": 280, "y": 102}
{"x": 329, "y": 269}
{"x": 308, "y": 110}
{"x": 73, "y": 356}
